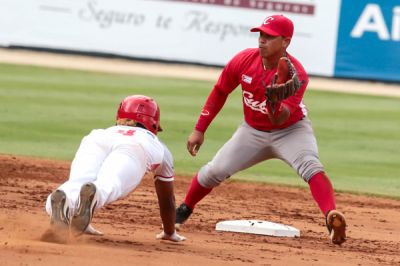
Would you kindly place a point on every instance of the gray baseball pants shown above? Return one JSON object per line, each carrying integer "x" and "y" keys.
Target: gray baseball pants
{"x": 296, "y": 145}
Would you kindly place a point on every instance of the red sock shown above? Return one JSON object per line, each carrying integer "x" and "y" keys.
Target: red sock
{"x": 322, "y": 192}
{"x": 196, "y": 193}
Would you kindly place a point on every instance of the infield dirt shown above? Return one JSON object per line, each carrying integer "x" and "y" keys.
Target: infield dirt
{"x": 130, "y": 225}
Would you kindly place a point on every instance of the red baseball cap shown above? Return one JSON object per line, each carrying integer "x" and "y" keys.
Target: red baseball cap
{"x": 276, "y": 25}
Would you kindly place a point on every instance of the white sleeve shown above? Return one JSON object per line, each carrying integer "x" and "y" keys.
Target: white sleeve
{"x": 165, "y": 172}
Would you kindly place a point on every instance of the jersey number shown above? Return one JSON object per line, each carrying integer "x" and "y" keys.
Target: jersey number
{"x": 129, "y": 132}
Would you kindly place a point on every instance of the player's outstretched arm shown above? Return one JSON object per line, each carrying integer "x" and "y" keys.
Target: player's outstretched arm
{"x": 194, "y": 142}
{"x": 166, "y": 201}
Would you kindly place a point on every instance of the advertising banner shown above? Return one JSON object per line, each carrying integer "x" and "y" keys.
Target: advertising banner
{"x": 206, "y": 32}
{"x": 369, "y": 40}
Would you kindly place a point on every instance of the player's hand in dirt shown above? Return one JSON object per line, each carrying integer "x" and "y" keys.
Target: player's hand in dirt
{"x": 174, "y": 237}
{"x": 194, "y": 142}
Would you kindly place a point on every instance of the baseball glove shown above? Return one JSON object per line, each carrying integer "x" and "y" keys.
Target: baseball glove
{"x": 285, "y": 82}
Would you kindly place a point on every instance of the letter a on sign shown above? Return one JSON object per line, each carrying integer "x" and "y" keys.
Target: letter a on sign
{"x": 371, "y": 20}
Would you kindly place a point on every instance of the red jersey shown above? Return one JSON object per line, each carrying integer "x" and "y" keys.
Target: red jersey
{"x": 247, "y": 69}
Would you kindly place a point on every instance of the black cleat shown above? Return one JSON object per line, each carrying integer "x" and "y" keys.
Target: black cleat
{"x": 183, "y": 212}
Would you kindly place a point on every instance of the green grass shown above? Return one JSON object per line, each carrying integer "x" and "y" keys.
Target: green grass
{"x": 46, "y": 112}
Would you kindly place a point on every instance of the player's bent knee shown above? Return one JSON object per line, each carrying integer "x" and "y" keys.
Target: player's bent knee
{"x": 308, "y": 168}
{"x": 210, "y": 176}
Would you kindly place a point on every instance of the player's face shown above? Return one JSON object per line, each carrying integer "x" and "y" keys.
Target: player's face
{"x": 272, "y": 45}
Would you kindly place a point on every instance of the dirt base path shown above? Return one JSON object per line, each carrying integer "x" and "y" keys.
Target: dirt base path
{"x": 130, "y": 225}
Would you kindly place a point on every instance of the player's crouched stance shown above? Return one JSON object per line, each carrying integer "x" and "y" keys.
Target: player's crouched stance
{"x": 109, "y": 164}
{"x": 275, "y": 126}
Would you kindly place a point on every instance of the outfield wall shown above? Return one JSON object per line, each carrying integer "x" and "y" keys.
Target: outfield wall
{"x": 352, "y": 39}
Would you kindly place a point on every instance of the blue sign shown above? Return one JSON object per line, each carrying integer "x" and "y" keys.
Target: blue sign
{"x": 369, "y": 40}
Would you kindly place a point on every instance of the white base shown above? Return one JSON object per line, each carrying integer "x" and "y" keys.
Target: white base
{"x": 258, "y": 227}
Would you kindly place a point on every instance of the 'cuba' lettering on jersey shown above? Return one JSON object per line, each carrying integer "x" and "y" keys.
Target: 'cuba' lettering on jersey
{"x": 248, "y": 99}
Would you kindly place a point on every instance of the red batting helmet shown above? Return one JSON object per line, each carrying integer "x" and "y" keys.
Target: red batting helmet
{"x": 141, "y": 109}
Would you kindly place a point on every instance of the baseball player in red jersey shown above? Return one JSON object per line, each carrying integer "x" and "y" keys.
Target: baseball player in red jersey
{"x": 275, "y": 123}
{"x": 110, "y": 163}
